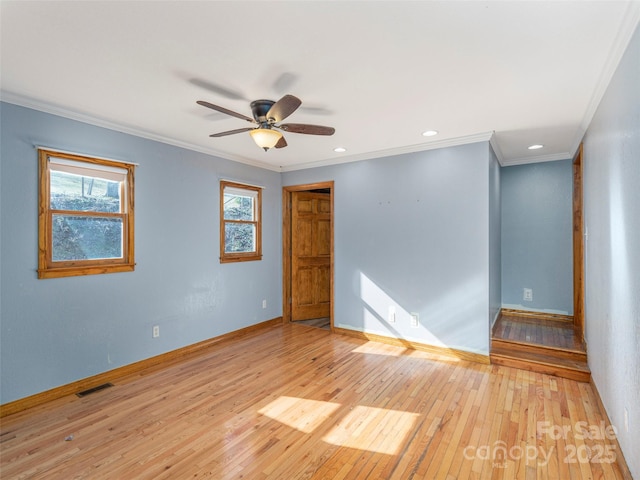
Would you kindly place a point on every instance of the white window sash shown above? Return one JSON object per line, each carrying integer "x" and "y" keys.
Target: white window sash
{"x": 82, "y": 169}
{"x": 240, "y": 192}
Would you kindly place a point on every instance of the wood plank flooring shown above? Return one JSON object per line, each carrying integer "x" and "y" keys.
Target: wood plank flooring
{"x": 542, "y": 344}
{"x": 295, "y": 402}
{"x": 537, "y": 330}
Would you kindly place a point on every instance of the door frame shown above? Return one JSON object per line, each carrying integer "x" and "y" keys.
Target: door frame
{"x": 286, "y": 245}
{"x": 578, "y": 246}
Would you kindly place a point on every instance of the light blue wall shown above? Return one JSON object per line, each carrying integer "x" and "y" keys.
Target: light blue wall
{"x": 537, "y": 245}
{"x": 611, "y": 169}
{"x": 412, "y": 231}
{"x": 56, "y": 331}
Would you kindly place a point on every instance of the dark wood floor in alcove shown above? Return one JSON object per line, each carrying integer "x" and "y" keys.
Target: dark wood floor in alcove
{"x": 542, "y": 343}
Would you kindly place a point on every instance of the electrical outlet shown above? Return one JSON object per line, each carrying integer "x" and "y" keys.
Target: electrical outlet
{"x": 392, "y": 314}
{"x": 156, "y": 331}
{"x": 527, "y": 294}
{"x": 415, "y": 319}
{"x": 264, "y": 304}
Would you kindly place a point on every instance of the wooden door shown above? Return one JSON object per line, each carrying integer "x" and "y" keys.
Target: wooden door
{"x": 310, "y": 255}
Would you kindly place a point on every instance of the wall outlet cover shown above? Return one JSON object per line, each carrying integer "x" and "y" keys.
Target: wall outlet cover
{"x": 392, "y": 314}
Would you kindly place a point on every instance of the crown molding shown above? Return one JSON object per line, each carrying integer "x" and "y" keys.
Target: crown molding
{"x": 419, "y": 147}
{"x": 59, "y": 111}
{"x": 539, "y": 159}
{"x": 45, "y": 107}
{"x": 496, "y": 149}
{"x": 630, "y": 22}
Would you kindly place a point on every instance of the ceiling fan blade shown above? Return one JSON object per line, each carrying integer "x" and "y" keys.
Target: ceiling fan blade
{"x": 231, "y": 132}
{"x": 225, "y": 110}
{"x": 283, "y": 108}
{"x": 281, "y": 143}
{"x": 284, "y": 82}
{"x": 219, "y": 89}
{"x": 315, "y": 109}
{"x": 307, "y": 129}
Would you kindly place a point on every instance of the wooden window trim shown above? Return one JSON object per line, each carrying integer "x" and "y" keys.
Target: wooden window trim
{"x": 47, "y": 268}
{"x": 235, "y": 256}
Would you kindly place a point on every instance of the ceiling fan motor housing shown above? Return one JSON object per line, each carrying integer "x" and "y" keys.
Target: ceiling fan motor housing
{"x": 260, "y": 108}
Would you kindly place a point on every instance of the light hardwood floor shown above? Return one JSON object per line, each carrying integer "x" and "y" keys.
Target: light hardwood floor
{"x": 295, "y": 402}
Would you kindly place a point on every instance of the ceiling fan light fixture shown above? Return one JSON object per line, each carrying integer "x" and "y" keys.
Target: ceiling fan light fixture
{"x": 265, "y": 138}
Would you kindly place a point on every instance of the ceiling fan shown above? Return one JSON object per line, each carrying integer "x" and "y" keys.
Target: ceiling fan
{"x": 267, "y": 115}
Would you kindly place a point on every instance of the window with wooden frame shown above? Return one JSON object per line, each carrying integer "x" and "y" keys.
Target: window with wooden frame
{"x": 240, "y": 222}
{"x": 85, "y": 217}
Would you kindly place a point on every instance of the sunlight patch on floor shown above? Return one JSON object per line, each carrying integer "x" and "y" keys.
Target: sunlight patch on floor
{"x": 364, "y": 428}
{"x": 376, "y": 348}
{"x": 299, "y": 413}
{"x": 373, "y": 429}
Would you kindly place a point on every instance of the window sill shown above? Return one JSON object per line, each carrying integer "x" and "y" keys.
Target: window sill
{"x": 86, "y": 270}
{"x": 247, "y": 258}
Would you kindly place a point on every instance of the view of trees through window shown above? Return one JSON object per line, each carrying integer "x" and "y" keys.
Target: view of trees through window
{"x": 240, "y": 222}
{"x": 86, "y": 216}
{"x": 239, "y": 236}
{"x": 81, "y": 237}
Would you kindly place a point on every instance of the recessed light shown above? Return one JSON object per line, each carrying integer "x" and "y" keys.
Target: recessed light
{"x": 339, "y": 149}
{"x": 537, "y": 146}
{"x": 429, "y": 133}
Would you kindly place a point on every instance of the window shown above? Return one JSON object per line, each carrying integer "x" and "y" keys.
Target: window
{"x": 85, "y": 216}
{"x": 240, "y": 222}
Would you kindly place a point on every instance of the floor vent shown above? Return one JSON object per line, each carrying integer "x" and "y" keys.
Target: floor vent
{"x": 84, "y": 393}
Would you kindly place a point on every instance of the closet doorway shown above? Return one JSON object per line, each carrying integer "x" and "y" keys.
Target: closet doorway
{"x": 307, "y": 240}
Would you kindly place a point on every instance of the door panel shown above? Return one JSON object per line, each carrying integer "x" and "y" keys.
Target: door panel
{"x": 323, "y": 239}
{"x": 310, "y": 255}
{"x": 324, "y": 284}
{"x": 324, "y": 204}
{"x": 303, "y": 234}
{"x": 305, "y": 287}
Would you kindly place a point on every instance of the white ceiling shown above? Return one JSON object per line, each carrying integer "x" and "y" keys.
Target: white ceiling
{"x": 380, "y": 72}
